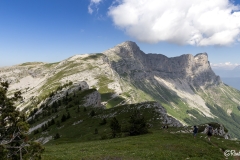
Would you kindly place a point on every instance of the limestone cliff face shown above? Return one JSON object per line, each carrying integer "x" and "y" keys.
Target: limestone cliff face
{"x": 127, "y": 58}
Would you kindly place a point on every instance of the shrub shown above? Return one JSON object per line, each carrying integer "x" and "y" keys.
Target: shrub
{"x": 57, "y": 136}
{"x": 103, "y": 122}
{"x": 36, "y": 131}
{"x": 238, "y": 108}
{"x": 58, "y": 124}
{"x": 96, "y": 131}
{"x": 92, "y": 113}
{"x": 68, "y": 115}
{"x": 64, "y": 118}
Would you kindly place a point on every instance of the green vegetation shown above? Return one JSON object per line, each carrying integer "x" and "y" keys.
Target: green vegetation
{"x": 114, "y": 102}
{"x": 226, "y": 120}
{"x": 103, "y": 82}
{"x": 166, "y": 98}
{"x": 13, "y": 129}
{"x": 160, "y": 144}
{"x": 30, "y": 63}
{"x": 176, "y": 107}
{"x": 106, "y": 96}
{"x": 49, "y": 65}
{"x": 198, "y": 118}
{"x": 95, "y": 133}
{"x": 238, "y": 107}
{"x": 84, "y": 120}
{"x": 93, "y": 56}
{"x": 115, "y": 127}
{"x": 227, "y": 98}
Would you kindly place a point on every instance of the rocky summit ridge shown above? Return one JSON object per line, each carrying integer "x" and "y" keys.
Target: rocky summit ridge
{"x": 127, "y": 57}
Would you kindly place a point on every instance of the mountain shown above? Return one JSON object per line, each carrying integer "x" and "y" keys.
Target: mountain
{"x": 185, "y": 86}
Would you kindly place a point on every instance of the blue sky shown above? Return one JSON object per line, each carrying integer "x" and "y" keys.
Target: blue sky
{"x": 53, "y": 30}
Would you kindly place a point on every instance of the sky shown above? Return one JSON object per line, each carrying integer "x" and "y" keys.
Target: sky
{"x": 54, "y": 30}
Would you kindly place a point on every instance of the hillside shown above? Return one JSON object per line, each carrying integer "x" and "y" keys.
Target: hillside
{"x": 84, "y": 134}
{"x": 81, "y": 121}
{"x": 185, "y": 86}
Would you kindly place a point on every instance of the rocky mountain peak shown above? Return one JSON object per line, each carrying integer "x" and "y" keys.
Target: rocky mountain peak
{"x": 126, "y": 50}
{"x": 128, "y": 44}
{"x": 127, "y": 57}
{"x": 201, "y": 54}
{"x": 202, "y": 58}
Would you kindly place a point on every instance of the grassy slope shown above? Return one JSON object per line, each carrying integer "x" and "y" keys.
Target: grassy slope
{"x": 80, "y": 142}
{"x": 219, "y": 100}
{"x": 85, "y": 130}
{"x": 166, "y": 98}
{"x": 160, "y": 144}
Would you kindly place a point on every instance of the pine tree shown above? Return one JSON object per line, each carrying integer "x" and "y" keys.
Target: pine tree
{"x": 13, "y": 129}
{"x": 64, "y": 118}
{"x": 68, "y": 115}
{"x": 57, "y": 136}
{"x": 58, "y": 124}
{"x": 115, "y": 126}
{"x": 78, "y": 109}
{"x": 92, "y": 113}
{"x": 96, "y": 131}
{"x": 52, "y": 121}
{"x": 137, "y": 124}
{"x": 103, "y": 122}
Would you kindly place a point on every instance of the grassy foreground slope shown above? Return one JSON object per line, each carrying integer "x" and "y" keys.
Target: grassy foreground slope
{"x": 159, "y": 144}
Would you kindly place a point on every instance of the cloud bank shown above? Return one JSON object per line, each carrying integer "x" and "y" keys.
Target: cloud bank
{"x": 225, "y": 66}
{"x": 194, "y": 22}
{"x": 93, "y": 4}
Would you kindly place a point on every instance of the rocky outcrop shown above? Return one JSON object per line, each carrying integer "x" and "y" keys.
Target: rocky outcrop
{"x": 93, "y": 99}
{"x": 166, "y": 119}
{"x": 80, "y": 86}
{"x": 128, "y": 59}
{"x": 14, "y": 73}
{"x": 162, "y": 113}
{"x": 219, "y": 131}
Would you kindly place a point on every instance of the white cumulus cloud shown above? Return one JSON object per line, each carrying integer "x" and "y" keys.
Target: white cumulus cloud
{"x": 194, "y": 22}
{"x": 93, "y": 4}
